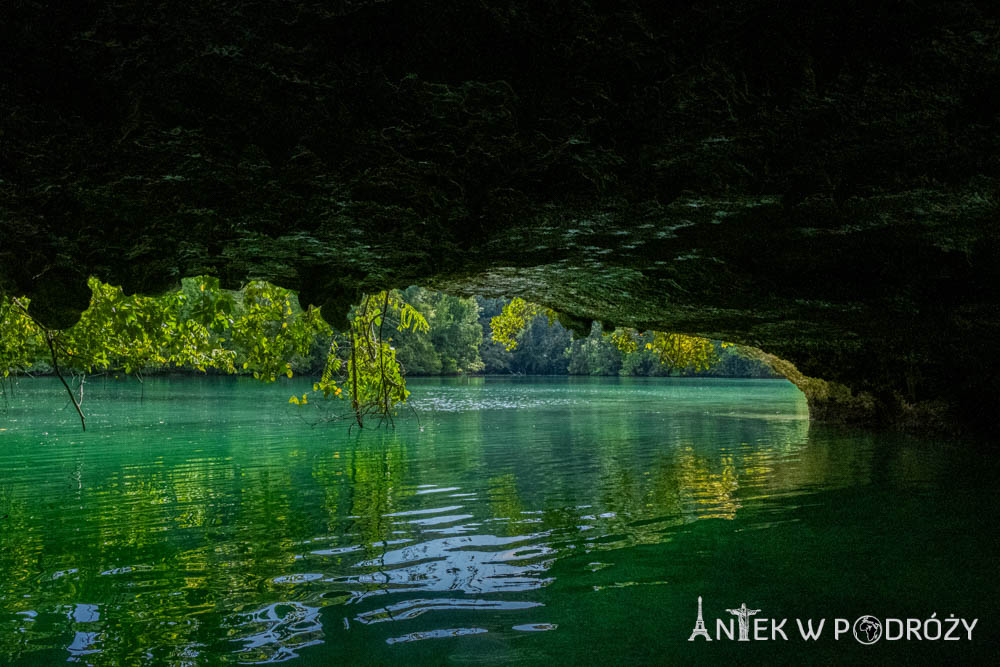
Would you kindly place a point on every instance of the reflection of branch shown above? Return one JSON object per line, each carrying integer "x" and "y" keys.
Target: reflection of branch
{"x": 415, "y": 414}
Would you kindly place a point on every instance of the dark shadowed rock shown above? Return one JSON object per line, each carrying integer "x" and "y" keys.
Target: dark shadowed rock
{"x": 819, "y": 181}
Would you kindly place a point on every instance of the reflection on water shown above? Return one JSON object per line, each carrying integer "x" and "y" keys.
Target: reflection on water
{"x": 282, "y": 628}
{"x": 191, "y": 527}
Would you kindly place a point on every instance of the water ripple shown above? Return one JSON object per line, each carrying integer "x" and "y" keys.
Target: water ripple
{"x": 281, "y": 629}
{"x": 196, "y": 527}
{"x": 435, "y": 634}
{"x": 409, "y": 609}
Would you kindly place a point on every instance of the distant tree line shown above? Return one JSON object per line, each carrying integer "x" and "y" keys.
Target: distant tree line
{"x": 460, "y": 342}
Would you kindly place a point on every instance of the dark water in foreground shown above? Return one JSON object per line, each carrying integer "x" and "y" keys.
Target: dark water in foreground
{"x": 565, "y": 521}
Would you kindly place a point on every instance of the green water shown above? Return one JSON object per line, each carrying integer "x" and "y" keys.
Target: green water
{"x": 562, "y": 521}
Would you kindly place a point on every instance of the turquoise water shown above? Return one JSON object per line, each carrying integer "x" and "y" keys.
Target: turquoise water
{"x": 529, "y": 520}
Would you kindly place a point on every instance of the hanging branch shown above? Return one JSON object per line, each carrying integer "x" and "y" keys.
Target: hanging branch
{"x": 373, "y": 379}
{"x": 354, "y": 373}
{"x": 49, "y": 337}
{"x": 55, "y": 367}
{"x": 384, "y": 389}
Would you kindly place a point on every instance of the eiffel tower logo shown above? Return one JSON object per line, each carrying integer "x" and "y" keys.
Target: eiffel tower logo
{"x": 699, "y": 626}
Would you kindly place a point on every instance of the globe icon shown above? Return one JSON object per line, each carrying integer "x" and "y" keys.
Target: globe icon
{"x": 867, "y": 630}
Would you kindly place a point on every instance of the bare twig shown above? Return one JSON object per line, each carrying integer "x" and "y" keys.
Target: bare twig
{"x": 354, "y": 372}
{"x": 55, "y": 367}
{"x": 49, "y": 338}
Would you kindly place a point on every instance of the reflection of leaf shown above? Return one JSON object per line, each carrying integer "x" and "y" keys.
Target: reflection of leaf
{"x": 505, "y": 502}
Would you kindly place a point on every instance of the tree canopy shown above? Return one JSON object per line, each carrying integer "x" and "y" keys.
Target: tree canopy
{"x": 261, "y": 331}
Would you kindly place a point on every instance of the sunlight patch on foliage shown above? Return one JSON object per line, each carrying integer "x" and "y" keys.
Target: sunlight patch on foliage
{"x": 674, "y": 350}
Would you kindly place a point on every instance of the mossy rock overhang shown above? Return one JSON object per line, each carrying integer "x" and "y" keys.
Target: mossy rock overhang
{"x": 819, "y": 180}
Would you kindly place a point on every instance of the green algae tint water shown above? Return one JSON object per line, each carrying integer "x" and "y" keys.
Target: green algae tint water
{"x": 532, "y": 521}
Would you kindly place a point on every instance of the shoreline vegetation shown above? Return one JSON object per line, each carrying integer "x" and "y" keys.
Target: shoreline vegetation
{"x": 459, "y": 343}
{"x": 362, "y": 358}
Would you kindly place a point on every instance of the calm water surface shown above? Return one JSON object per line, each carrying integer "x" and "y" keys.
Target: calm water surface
{"x": 560, "y": 521}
